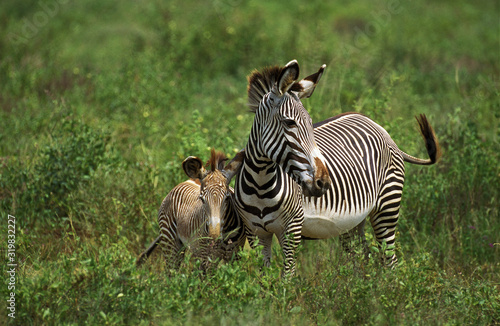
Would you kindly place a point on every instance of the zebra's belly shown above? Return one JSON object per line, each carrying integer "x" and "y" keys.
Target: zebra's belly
{"x": 327, "y": 224}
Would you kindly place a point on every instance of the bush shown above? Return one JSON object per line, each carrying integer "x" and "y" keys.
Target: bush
{"x": 41, "y": 187}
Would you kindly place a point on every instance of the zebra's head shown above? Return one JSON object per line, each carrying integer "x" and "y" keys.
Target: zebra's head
{"x": 283, "y": 129}
{"x": 215, "y": 192}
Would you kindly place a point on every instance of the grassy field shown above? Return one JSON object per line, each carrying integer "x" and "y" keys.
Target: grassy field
{"x": 101, "y": 101}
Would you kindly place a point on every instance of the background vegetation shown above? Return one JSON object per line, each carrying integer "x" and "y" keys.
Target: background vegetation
{"x": 101, "y": 101}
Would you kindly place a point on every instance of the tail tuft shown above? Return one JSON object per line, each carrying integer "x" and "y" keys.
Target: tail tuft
{"x": 431, "y": 142}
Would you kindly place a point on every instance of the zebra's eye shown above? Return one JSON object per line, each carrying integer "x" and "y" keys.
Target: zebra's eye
{"x": 290, "y": 123}
{"x": 202, "y": 199}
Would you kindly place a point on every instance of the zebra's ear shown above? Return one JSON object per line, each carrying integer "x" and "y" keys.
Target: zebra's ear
{"x": 306, "y": 86}
{"x": 193, "y": 167}
{"x": 232, "y": 168}
{"x": 288, "y": 76}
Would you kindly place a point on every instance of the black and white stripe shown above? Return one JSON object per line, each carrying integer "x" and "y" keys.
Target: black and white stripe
{"x": 367, "y": 172}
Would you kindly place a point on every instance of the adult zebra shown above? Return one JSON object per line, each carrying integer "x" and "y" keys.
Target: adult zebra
{"x": 365, "y": 168}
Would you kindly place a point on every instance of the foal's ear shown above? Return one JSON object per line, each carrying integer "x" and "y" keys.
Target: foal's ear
{"x": 306, "y": 86}
{"x": 193, "y": 167}
{"x": 232, "y": 168}
{"x": 288, "y": 76}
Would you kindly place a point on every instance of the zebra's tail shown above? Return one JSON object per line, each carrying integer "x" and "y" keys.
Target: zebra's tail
{"x": 145, "y": 255}
{"x": 431, "y": 143}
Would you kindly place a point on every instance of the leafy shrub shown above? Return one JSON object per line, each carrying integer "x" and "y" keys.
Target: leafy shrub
{"x": 41, "y": 188}
{"x": 72, "y": 155}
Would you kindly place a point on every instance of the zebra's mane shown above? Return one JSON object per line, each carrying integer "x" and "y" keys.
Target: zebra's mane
{"x": 216, "y": 161}
{"x": 260, "y": 83}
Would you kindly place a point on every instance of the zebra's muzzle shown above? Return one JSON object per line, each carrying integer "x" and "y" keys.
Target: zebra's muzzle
{"x": 214, "y": 230}
{"x": 320, "y": 183}
{"x": 316, "y": 188}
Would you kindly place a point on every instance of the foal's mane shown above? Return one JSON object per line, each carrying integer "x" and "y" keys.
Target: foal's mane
{"x": 216, "y": 161}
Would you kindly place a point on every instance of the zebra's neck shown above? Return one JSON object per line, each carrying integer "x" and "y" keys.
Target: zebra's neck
{"x": 256, "y": 164}
{"x": 259, "y": 169}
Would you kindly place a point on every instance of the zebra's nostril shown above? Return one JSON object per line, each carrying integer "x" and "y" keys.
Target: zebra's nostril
{"x": 319, "y": 184}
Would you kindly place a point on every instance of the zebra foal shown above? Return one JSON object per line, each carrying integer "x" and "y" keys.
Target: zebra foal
{"x": 358, "y": 170}
{"x": 199, "y": 214}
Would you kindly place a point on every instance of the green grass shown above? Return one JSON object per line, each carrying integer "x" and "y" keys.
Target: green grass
{"x": 101, "y": 102}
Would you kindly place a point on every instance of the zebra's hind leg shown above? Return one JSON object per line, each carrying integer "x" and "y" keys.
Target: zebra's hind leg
{"x": 384, "y": 226}
{"x": 355, "y": 238}
{"x": 173, "y": 253}
{"x": 170, "y": 243}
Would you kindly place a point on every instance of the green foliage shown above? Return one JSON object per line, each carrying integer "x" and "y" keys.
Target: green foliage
{"x": 197, "y": 140}
{"x": 73, "y": 154}
{"x": 457, "y": 201}
{"x": 101, "y": 102}
{"x": 106, "y": 287}
{"x": 68, "y": 159}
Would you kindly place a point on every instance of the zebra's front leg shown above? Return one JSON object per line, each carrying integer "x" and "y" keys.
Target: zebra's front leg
{"x": 266, "y": 241}
{"x": 251, "y": 237}
{"x": 289, "y": 241}
{"x": 263, "y": 239}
